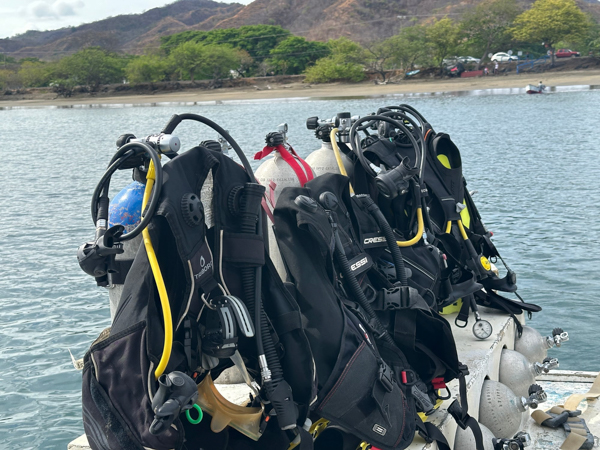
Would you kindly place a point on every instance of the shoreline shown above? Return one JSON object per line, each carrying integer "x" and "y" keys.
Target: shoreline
{"x": 299, "y": 91}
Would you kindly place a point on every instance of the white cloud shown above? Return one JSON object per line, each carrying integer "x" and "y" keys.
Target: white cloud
{"x": 53, "y": 10}
{"x": 63, "y": 8}
{"x": 40, "y": 9}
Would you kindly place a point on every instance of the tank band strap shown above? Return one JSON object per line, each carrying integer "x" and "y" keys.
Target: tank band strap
{"x": 303, "y": 173}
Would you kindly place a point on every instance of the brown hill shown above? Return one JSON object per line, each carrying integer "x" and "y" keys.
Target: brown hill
{"x": 130, "y": 33}
{"x": 360, "y": 20}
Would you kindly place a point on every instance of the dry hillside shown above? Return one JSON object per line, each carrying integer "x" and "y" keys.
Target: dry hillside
{"x": 360, "y": 20}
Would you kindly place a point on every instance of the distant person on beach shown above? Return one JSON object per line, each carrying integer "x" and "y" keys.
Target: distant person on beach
{"x": 486, "y": 71}
{"x": 496, "y": 68}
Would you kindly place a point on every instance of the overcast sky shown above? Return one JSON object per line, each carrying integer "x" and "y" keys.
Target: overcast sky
{"x": 18, "y": 16}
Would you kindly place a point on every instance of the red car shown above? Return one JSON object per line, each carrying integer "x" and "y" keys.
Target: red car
{"x": 566, "y": 53}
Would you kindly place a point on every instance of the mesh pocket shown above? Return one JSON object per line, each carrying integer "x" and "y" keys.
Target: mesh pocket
{"x": 116, "y": 401}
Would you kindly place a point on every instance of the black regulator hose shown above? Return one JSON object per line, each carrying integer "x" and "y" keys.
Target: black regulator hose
{"x": 417, "y": 130}
{"x": 176, "y": 119}
{"x": 412, "y": 110}
{"x": 389, "y": 237}
{"x": 356, "y": 147}
{"x": 99, "y": 205}
{"x": 353, "y": 284}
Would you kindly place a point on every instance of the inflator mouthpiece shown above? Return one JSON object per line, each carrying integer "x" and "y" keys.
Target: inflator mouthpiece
{"x": 394, "y": 182}
{"x": 177, "y": 392}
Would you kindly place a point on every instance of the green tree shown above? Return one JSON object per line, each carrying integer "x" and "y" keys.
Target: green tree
{"x": 379, "y": 55}
{"x": 294, "y": 54}
{"x": 407, "y": 48}
{"x": 147, "y": 68}
{"x": 345, "y": 63}
{"x": 256, "y": 40}
{"x": 36, "y": 74}
{"x": 592, "y": 43}
{"x": 487, "y": 25}
{"x": 443, "y": 38}
{"x": 334, "y": 68}
{"x": 4, "y": 60}
{"x": 551, "y": 21}
{"x": 92, "y": 66}
{"x": 218, "y": 61}
{"x": 5, "y": 78}
{"x": 187, "y": 58}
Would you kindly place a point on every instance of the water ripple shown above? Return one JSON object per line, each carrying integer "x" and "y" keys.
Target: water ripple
{"x": 532, "y": 159}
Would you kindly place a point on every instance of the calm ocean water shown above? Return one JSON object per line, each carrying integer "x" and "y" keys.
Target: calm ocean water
{"x": 532, "y": 159}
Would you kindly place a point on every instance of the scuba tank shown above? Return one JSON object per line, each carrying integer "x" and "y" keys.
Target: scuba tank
{"x": 125, "y": 209}
{"x": 284, "y": 169}
{"x": 324, "y": 159}
{"x": 518, "y": 373}
{"x": 464, "y": 439}
{"x": 535, "y": 347}
{"x": 501, "y": 411}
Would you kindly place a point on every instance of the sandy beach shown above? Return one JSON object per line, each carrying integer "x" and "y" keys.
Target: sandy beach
{"x": 300, "y": 90}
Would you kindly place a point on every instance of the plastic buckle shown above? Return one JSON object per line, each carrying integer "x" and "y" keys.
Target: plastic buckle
{"x": 385, "y": 377}
{"x": 457, "y": 412}
{"x": 463, "y": 369}
{"x": 557, "y": 420}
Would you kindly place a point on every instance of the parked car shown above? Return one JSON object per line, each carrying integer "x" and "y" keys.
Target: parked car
{"x": 566, "y": 53}
{"x": 468, "y": 59}
{"x": 504, "y": 57}
{"x": 450, "y": 61}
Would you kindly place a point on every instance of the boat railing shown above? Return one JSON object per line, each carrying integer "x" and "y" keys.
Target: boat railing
{"x": 534, "y": 62}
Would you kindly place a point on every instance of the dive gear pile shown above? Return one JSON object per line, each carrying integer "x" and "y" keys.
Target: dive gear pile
{"x": 345, "y": 331}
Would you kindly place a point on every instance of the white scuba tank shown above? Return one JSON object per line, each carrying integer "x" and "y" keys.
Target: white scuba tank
{"x": 275, "y": 174}
{"x": 535, "y": 347}
{"x": 501, "y": 410}
{"x": 323, "y": 160}
{"x": 464, "y": 439}
{"x": 518, "y": 373}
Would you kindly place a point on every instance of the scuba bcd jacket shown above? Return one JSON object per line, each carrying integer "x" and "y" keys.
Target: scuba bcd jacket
{"x": 387, "y": 352}
{"x": 206, "y": 258}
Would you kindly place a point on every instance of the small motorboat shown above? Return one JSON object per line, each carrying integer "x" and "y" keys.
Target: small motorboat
{"x": 535, "y": 89}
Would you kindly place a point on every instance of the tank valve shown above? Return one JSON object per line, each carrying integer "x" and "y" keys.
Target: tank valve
{"x": 225, "y": 145}
{"x": 344, "y": 123}
{"x": 274, "y": 139}
{"x": 558, "y": 337}
{"x": 545, "y": 366}
{"x": 536, "y": 396}
{"x": 518, "y": 442}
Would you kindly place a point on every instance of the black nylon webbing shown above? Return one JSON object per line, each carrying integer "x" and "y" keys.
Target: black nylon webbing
{"x": 431, "y": 433}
